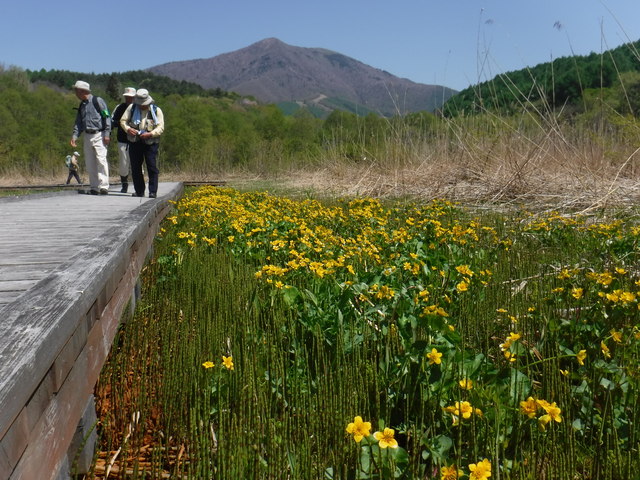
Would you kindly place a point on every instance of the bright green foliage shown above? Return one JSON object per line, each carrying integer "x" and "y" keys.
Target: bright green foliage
{"x": 386, "y": 341}
{"x": 206, "y": 133}
{"x": 550, "y": 85}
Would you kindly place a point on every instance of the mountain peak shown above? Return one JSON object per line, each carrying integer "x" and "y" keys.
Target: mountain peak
{"x": 273, "y": 72}
{"x": 269, "y": 42}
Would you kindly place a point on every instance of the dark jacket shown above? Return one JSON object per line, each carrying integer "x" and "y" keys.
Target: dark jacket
{"x": 115, "y": 122}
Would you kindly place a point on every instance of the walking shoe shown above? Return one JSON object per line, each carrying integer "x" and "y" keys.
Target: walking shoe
{"x": 94, "y": 192}
{"x": 152, "y": 195}
{"x": 135, "y": 194}
{"x": 125, "y": 184}
{"x": 104, "y": 191}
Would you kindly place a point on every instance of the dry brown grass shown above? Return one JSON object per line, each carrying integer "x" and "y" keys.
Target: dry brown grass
{"x": 583, "y": 173}
{"x": 550, "y": 172}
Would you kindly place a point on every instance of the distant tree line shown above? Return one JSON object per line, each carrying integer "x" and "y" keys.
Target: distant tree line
{"x": 564, "y": 83}
{"x": 207, "y": 131}
{"x": 113, "y": 83}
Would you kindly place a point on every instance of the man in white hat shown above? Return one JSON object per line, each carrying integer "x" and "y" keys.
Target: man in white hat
{"x": 72, "y": 163}
{"x": 94, "y": 121}
{"x": 144, "y": 123}
{"x": 123, "y": 142}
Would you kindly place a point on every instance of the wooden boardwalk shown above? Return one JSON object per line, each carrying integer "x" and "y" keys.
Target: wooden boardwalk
{"x": 68, "y": 265}
{"x": 38, "y": 233}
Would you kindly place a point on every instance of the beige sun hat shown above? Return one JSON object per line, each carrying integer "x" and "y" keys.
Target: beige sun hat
{"x": 81, "y": 85}
{"x": 129, "y": 92}
{"x": 143, "y": 97}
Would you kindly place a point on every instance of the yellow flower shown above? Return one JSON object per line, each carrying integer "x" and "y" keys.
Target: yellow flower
{"x": 462, "y": 286}
{"x": 514, "y": 336}
{"x": 564, "y": 273}
{"x": 605, "y": 350}
{"x": 582, "y": 354}
{"x": 542, "y": 422}
{"x": 627, "y": 297}
{"x": 450, "y": 473}
{"x": 385, "y": 438}
{"x": 434, "y": 357}
{"x": 613, "y": 297}
{"x": 208, "y": 364}
{"x": 616, "y": 336}
{"x": 529, "y": 407}
{"x": 359, "y": 429}
{"x": 464, "y": 270}
{"x": 460, "y": 408}
{"x": 227, "y": 362}
{"x": 480, "y": 470}
{"x": 577, "y": 293}
{"x": 466, "y": 383}
{"x": 553, "y": 411}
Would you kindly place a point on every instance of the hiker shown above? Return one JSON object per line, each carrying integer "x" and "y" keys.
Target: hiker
{"x": 144, "y": 123}
{"x": 72, "y": 164}
{"x": 123, "y": 142}
{"x": 94, "y": 121}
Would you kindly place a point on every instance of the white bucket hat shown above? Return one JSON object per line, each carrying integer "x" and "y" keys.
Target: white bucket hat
{"x": 80, "y": 85}
{"x": 129, "y": 92}
{"x": 143, "y": 97}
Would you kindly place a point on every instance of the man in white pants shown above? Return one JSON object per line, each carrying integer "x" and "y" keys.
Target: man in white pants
{"x": 94, "y": 121}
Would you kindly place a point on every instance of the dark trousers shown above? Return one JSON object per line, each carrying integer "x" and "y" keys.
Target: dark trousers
{"x": 139, "y": 153}
{"x": 73, "y": 174}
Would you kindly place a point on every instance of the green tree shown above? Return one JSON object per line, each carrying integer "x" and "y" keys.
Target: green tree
{"x": 114, "y": 87}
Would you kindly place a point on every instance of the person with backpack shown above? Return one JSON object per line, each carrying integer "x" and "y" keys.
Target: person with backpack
{"x": 72, "y": 164}
{"x": 123, "y": 141}
{"x": 94, "y": 121}
{"x": 144, "y": 123}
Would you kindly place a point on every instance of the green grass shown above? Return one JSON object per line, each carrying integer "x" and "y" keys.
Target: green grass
{"x": 322, "y": 308}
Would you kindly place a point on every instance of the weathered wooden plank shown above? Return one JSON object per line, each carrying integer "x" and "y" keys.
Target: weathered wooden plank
{"x": 8, "y": 297}
{"x": 60, "y": 234}
{"x": 24, "y": 271}
{"x": 17, "y": 285}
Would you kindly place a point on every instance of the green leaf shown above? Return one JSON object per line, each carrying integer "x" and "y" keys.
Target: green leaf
{"x": 607, "y": 384}
{"x": 290, "y": 295}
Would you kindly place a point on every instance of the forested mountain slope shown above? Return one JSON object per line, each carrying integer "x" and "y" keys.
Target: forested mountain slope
{"x": 567, "y": 82}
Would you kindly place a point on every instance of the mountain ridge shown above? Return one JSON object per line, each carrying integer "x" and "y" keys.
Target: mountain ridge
{"x": 273, "y": 72}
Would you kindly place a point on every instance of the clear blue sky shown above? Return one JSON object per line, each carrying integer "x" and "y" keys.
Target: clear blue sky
{"x": 454, "y": 43}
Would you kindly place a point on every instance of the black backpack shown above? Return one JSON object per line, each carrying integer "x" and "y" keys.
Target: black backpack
{"x": 103, "y": 113}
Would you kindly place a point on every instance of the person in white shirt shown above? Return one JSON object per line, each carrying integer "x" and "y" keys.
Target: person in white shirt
{"x": 144, "y": 123}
